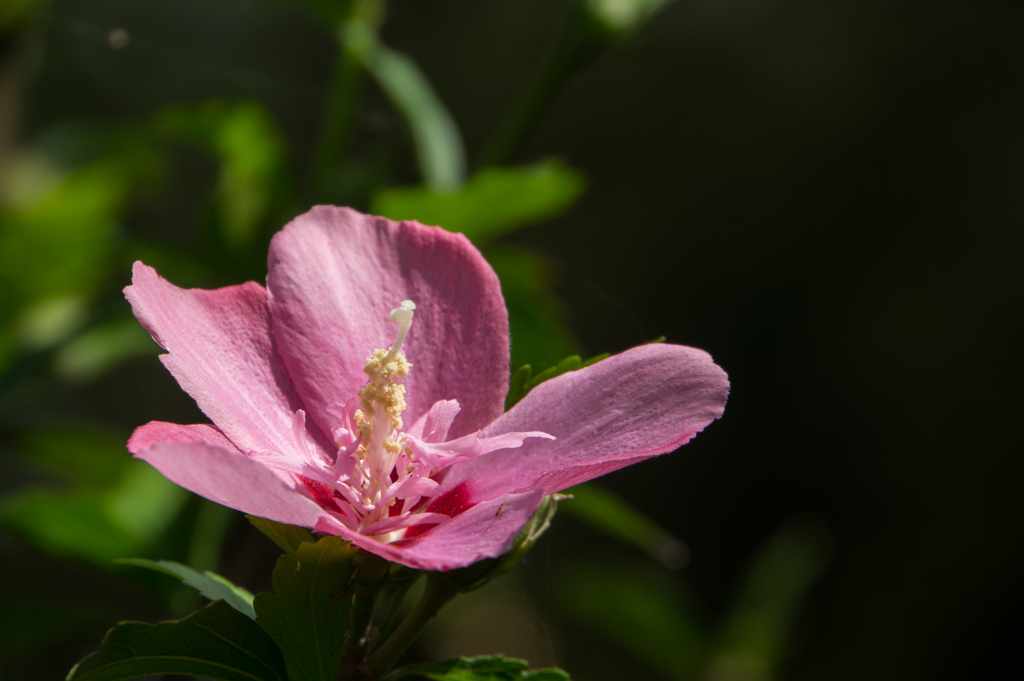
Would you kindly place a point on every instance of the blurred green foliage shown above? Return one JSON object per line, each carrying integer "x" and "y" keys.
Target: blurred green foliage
{"x": 492, "y": 202}
{"x": 642, "y": 610}
{"x": 107, "y": 506}
{"x": 68, "y": 203}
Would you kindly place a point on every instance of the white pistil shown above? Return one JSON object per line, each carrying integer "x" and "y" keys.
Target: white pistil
{"x": 380, "y": 418}
{"x": 403, "y": 315}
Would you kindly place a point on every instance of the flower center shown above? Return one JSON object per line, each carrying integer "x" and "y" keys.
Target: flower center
{"x": 379, "y": 417}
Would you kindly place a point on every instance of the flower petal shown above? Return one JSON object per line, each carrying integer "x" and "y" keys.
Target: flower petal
{"x": 643, "y": 402}
{"x": 221, "y": 353}
{"x": 232, "y": 479}
{"x": 484, "y": 531}
{"x": 153, "y": 432}
{"x": 433, "y": 426}
{"x": 333, "y": 277}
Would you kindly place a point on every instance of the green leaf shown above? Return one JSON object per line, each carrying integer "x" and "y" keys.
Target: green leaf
{"x": 216, "y": 643}
{"x": 623, "y": 17}
{"x": 251, "y": 150}
{"x": 488, "y": 668}
{"x": 119, "y": 506}
{"x": 637, "y": 607}
{"x": 522, "y": 382}
{"x": 492, "y": 202}
{"x": 87, "y": 456}
{"x": 72, "y": 525}
{"x": 57, "y": 234}
{"x": 103, "y": 347}
{"x": 541, "y": 335}
{"x": 287, "y": 537}
{"x": 209, "y": 584}
{"x": 144, "y": 502}
{"x": 604, "y": 510}
{"x": 435, "y": 135}
{"x": 759, "y": 626}
{"x": 308, "y": 612}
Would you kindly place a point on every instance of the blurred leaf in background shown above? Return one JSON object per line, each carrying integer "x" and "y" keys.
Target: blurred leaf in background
{"x": 541, "y": 333}
{"x": 57, "y": 236}
{"x": 251, "y": 152}
{"x": 754, "y": 639}
{"x": 493, "y": 201}
{"x": 607, "y": 512}
{"x": 642, "y": 610}
{"x": 14, "y": 12}
{"x": 639, "y": 608}
{"x": 104, "y": 504}
{"x": 622, "y": 18}
{"x": 435, "y": 135}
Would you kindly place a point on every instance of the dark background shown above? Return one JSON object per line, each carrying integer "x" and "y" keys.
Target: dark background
{"x": 825, "y": 196}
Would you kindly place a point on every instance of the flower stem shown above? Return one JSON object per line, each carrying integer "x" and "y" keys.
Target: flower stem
{"x": 437, "y": 593}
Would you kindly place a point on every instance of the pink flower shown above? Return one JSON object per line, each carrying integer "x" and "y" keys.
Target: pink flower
{"x": 319, "y": 419}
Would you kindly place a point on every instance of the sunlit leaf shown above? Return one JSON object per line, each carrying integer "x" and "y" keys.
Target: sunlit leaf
{"x": 251, "y": 151}
{"x": 435, "y": 135}
{"x": 637, "y": 609}
{"x": 101, "y": 348}
{"x": 46, "y": 322}
{"x": 308, "y": 612}
{"x": 489, "y": 668}
{"x": 287, "y": 537}
{"x": 208, "y": 584}
{"x": 118, "y": 506}
{"x": 623, "y": 17}
{"x": 72, "y": 525}
{"x": 492, "y": 202}
{"x": 216, "y": 643}
{"x": 604, "y": 510}
{"x": 144, "y": 502}
{"x": 55, "y": 241}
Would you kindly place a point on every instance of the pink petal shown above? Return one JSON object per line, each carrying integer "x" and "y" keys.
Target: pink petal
{"x": 442, "y": 454}
{"x": 153, "y": 432}
{"x": 484, "y": 531}
{"x": 433, "y": 426}
{"x": 220, "y": 351}
{"x": 229, "y": 478}
{"x": 641, "y": 403}
{"x": 335, "y": 274}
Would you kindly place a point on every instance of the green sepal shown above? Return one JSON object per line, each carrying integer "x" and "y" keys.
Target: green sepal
{"x": 208, "y": 584}
{"x": 523, "y": 382}
{"x": 287, "y": 537}
{"x": 216, "y": 643}
{"x": 308, "y": 612}
{"x": 488, "y": 668}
